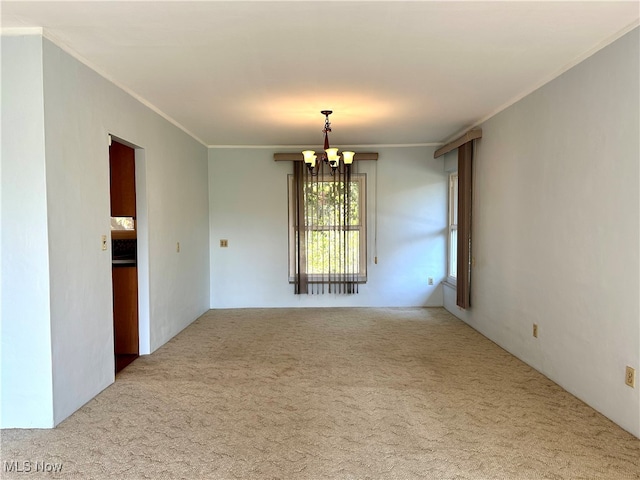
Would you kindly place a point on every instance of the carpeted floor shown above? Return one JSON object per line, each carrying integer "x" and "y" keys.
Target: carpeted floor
{"x": 329, "y": 393}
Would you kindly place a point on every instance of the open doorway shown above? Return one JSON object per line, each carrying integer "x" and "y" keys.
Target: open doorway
{"x": 124, "y": 270}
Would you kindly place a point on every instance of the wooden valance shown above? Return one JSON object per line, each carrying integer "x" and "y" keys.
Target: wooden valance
{"x": 467, "y": 137}
{"x": 295, "y": 157}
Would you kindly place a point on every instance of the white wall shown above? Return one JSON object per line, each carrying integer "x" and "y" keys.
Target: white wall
{"x": 556, "y": 230}
{"x": 80, "y": 109}
{"x": 25, "y": 330}
{"x": 248, "y": 207}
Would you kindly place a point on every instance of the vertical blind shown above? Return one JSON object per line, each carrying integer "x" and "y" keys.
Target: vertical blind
{"x": 328, "y": 216}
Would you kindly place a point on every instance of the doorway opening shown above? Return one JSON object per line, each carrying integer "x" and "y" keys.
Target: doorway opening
{"x": 124, "y": 253}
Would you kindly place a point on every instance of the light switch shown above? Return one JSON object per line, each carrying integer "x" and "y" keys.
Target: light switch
{"x": 224, "y": 243}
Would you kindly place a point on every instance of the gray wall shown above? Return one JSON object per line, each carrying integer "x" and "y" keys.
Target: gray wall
{"x": 248, "y": 206}
{"x": 556, "y": 230}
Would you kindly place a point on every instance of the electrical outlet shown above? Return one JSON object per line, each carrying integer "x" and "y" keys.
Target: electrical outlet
{"x": 430, "y": 281}
{"x": 630, "y": 377}
{"x": 535, "y": 330}
{"x": 104, "y": 242}
{"x": 177, "y": 247}
{"x": 224, "y": 243}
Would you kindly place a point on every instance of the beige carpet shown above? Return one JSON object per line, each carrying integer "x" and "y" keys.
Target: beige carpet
{"x": 330, "y": 393}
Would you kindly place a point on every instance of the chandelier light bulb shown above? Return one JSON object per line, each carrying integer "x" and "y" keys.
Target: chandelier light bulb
{"x": 309, "y": 157}
{"x": 332, "y": 154}
{"x": 347, "y": 157}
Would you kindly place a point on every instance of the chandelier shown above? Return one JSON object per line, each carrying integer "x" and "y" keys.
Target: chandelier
{"x": 330, "y": 155}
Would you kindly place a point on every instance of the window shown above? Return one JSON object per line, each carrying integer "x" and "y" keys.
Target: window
{"x": 123, "y": 228}
{"x": 332, "y": 245}
{"x": 123, "y": 223}
{"x": 452, "y": 258}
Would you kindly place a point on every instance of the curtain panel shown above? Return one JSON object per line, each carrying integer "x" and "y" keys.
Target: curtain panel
{"x": 465, "y": 145}
{"x": 465, "y": 184}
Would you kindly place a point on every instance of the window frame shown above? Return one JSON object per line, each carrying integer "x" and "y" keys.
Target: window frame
{"x": 452, "y": 229}
{"x": 361, "y": 179}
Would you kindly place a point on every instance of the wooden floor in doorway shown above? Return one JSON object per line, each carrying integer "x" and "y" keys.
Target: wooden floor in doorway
{"x": 124, "y": 359}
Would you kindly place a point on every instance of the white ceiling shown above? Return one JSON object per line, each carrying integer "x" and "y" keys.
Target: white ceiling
{"x": 258, "y": 73}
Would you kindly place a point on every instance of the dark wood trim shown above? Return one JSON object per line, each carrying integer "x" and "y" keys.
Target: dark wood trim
{"x": 122, "y": 234}
{"x": 122, "y": 170}
{"x": 467, "y": 137}
{"x": 297, "y": 157}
